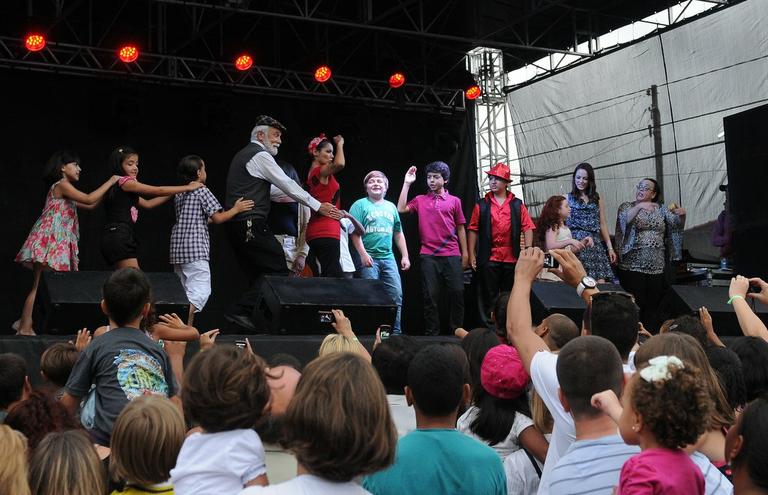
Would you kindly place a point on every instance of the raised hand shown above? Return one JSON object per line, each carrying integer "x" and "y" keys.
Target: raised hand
{"x": 761, "y": 296}
{"x": 208, "y": 339}
{"x": 410, "y": 176}
{"x": 82, "y": 340}
{"x": 529, "y": 264}
{"x": 339, "y": 140}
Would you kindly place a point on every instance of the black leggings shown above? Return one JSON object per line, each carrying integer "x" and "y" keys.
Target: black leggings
{"x": 328, "y": 253}
{"x": 648, "y": 290}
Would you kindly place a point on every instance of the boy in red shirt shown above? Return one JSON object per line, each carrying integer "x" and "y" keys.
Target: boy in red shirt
{"x": 497, "y": 222}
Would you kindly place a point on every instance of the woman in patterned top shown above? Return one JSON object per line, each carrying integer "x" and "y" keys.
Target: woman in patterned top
{"x": 645, "y": 233}
{"x": 587, "y": 220}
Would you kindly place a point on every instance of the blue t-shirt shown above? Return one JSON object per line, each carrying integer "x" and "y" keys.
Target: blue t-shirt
{"x": 440, "y": 461}
{"x": 593, "y": 466}
{"x": 380, "y": 221}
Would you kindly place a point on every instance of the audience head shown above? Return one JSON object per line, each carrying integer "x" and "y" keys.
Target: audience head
{"x": 350, "y": 436}
{"x": 334, "y": 342}
{"x": 668, "y": 400}
{"x": 282, "y": 387}
{"x": 66, "y": 463}
{"x": 728, "y": 369}
{"x": 13, "y": 462}
{"x": 437, "y": 382}
{"x": 284, "y": 359}
{"x": 57, "y": 362}
{"x": 688, "y": 349}
{"x": 746, "y": 444}
{"x": 499, "y": 315}
{"x": 127, "y": 295}
{"x": 585, "y": 366}
{"x": 476, "y": 344}
{"x": 14, "y": 384}
{"x": 501, "y": 396}
{"x": 753, "y": 353}
{"x": 616, "y": 317}
{"x": 225, "y": 388}
{"x": 692, "y": 326}
{"x": 146, "y": 440}
{"x": 557, "y": 330}
{"x": 39, "y": 415}
{"x": 391, "y": 359}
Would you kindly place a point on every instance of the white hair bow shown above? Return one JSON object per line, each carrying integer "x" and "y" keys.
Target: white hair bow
{"x": 658, "y": 368}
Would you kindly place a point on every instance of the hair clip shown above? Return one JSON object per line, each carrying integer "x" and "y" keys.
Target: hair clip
{"x": 658, "y": 368}
{"x": 312, "y": 146}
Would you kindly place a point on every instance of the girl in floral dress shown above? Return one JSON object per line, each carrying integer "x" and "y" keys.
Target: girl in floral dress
{"x": 588, "y": 220}
{"x": 52, "y": 242}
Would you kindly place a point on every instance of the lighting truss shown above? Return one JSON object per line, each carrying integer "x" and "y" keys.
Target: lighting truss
{"x": 82, "y": 60}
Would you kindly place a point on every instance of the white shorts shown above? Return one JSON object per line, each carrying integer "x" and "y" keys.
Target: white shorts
{"x": 289, "y": 248}
{"x": 196, "y": 280}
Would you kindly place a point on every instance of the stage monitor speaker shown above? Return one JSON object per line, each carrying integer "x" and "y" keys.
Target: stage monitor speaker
{"x": 69, "y": 301}
{"x": 687, "y": 299}
{"x": 747, "y": 159}
{"x": 556, "y": 297}
{"x": 296, "y": 306}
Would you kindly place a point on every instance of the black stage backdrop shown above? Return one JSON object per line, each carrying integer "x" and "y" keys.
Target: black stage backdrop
{"x": 44, "y": 112}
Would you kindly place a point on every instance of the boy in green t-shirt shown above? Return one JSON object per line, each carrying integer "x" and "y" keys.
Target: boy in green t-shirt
{"x": 381, "y": 222}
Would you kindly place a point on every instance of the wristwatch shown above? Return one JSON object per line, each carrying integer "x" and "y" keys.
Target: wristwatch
{"x": 586, "y": 283}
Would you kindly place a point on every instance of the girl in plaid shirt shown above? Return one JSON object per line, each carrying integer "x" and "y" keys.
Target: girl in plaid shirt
{"x": 190, "y": 241}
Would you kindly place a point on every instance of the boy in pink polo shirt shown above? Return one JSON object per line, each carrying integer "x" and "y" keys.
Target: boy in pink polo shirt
{"x": 443, "y": 252}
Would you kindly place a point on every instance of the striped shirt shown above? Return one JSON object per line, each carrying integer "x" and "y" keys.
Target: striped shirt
{"x": 591, "y": 466}
{"x": 714, "y": 481}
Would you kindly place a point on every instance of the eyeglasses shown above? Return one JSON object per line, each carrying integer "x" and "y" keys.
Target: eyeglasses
{"x": 643, "y": 188}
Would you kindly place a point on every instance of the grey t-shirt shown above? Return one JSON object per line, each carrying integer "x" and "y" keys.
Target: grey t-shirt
{"x": 123, "y": 364}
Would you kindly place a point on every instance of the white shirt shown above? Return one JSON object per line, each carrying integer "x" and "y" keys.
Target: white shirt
{"x": 544, "y": 378}
{"x": 218, "y": 463}
{"x": 507, "y": 446}
{"x": 347, "y": 227}
{"x": 264, "y": 166}
{"x": 307, "y": 484}
{"x": 403, "y": 415}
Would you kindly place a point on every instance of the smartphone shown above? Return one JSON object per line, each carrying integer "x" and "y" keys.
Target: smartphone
{"x": 326, "y": 317}
{"x": 550, "y": 261}
{"x": 384, "y": 331}
{"x": 240, "y": 344}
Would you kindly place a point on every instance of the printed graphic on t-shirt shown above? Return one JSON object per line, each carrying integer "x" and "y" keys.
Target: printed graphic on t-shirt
{"x": 139, "y": 374}
{"x": 375, "y": 225}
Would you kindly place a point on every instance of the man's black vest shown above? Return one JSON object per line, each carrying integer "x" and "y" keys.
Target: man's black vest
{"x": 484, "y": 231}
{"x": 241, "y": 184}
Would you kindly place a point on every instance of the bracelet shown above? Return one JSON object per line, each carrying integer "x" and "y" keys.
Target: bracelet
{"x": 732, "y": 298}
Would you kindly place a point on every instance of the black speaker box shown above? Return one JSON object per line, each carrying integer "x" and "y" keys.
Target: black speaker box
{"x": 290, "y": 305}
{"x": 557, "y": 297}
{"x": 686, "y": 299}
{"x": 68, "y": 301}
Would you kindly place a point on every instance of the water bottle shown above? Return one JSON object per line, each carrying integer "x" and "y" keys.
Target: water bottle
{"x": 709, "y": 277}
{"x": 723, "y": 263}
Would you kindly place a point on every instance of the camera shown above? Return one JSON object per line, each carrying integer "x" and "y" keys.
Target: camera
{"x": 326, "y": 317}
{"x": 240, "y": 344}
{"x": 550, "y": 262}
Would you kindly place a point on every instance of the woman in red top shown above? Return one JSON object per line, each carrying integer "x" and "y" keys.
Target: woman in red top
{"x": 323, "y": 233}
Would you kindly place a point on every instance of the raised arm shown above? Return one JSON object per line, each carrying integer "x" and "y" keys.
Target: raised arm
{"x": 343, "y": 327}
{"x": 338, "y": 159}
{"x": 83, "y": 200}
{"x": 402, "y": 200}
{"x": 750, "y": 324}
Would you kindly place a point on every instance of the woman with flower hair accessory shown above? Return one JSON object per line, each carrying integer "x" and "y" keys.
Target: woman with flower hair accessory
{"x": 664, "y": 407}
{"x": 323, "y": 233}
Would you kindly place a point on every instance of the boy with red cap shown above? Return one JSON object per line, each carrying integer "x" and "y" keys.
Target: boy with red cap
{"x": 497, "y": 222}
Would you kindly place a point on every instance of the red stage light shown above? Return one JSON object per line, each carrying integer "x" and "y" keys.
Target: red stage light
{"x": 396, "y": 80}
{"x": 472, "y": 92}
{"x": 128, "y": 53}
{"x": 322, "y": 74}
{"x": 243, "y": 62}
{"x": 35, "y": 42}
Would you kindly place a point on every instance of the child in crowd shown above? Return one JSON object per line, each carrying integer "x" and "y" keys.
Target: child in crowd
{"x": 119, "y": 244}
{"x": 436, "y": 458}
{"x": 498, "y": 221}
{"x": 443, "y": 252}
{"x": 225, "y": 393}
{"x": 145, "y": 443}
{"x": 57, "y": 362}
{"x": 190, "y": 240}
{"x": 66, "y": 463}
{"x": 13, "y": 462}
{"x": 123, "y": 363}
{"x": 14, "y": 382}
{"x": 338, "y": 440}
{"x": 500, "y": 415}
{"x": 746, "y": 446}
{"x": 553, "y": 232}
{"x": 52, "y": 242}
{"x": 381, "y": 222}
{"x": 665, "y": 407}
{"x": 38, "y": 415}
{"x": 322, "y": 231}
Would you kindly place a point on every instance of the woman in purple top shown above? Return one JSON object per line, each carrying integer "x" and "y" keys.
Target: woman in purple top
{"x": 443, "y": 253}
{"x": 588, "y": 220}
